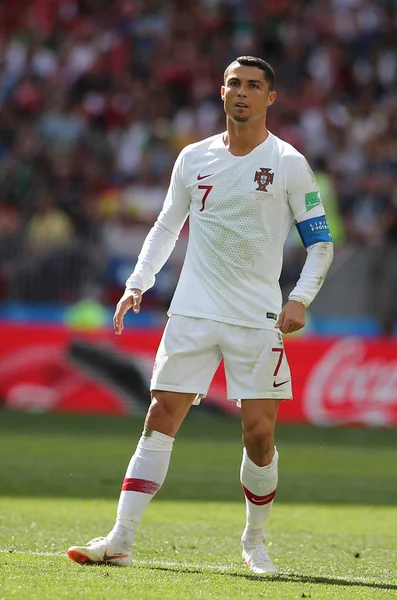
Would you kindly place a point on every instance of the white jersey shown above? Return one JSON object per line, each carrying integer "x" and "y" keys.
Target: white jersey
{"x": 240, "y": 210}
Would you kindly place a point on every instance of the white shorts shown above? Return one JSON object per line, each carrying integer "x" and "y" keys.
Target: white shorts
{"x": 191, "y": 350}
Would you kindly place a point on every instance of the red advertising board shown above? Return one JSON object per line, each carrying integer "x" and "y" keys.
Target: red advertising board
{"x": 347, "y": 380}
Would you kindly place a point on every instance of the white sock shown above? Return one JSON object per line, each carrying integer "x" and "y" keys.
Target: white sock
{"x": 259, "y": 486}
{"x": 144, "y": 476}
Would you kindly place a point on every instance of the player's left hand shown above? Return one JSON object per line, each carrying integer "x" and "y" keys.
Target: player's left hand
{"x": 292, "y": 317}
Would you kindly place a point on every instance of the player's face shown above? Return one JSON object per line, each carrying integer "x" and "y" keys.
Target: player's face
{"x": 246, "y": 94}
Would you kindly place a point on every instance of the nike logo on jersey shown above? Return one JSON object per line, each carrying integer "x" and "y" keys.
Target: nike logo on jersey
{"x": 276, "y": 385}
{"x": 200, "y": 177}
{"x": 114, "y": 556}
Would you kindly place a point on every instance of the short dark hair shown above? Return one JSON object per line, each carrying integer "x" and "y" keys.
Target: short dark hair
{"x": 259, "y": 63}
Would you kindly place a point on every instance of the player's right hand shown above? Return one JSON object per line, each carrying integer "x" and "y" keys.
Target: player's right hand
{"x": 130, "y": 299}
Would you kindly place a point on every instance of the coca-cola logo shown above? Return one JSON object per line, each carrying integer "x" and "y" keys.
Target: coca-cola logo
{"x": 348, "y": 386}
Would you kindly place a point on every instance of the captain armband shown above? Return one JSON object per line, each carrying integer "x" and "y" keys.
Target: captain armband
{"x": 314, "y": 230}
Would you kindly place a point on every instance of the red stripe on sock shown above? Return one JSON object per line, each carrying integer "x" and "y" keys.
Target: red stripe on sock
{"x": 258, "y": 500}
{"x": 140, "y": 485}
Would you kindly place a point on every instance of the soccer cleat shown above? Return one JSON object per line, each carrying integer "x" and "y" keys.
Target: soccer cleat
{"x": 257, "y": 560}
{"x": 100, "y": 551}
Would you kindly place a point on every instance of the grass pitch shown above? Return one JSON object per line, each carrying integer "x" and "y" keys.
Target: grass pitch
{"x": 331, "y": 533}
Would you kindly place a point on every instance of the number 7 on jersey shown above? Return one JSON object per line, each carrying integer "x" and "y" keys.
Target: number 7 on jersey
{"x": 207, "y": 189}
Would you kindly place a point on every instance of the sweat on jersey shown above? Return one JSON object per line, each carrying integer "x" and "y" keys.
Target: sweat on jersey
{"x": 240, "y": 210}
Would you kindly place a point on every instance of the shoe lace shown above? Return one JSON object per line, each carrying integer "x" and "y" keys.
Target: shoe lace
{"x": 95, "y": 540}
{"x": 259, "y": 555}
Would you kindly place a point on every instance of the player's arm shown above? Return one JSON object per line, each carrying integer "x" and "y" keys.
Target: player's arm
{"x": 157, "y": 246}
{"x": 311, "y": 222}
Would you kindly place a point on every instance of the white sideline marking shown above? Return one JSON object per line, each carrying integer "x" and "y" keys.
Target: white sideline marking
{"x": 149, "y": 562}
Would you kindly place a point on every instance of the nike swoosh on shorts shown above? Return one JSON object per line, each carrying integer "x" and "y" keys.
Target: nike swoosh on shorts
{"x": 276, "y": 385}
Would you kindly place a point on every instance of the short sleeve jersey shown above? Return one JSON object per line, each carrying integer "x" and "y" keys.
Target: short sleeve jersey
{"x": 240, "y": 209}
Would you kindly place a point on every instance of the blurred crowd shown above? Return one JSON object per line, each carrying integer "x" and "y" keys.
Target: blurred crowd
{"x": 97, "y": 98}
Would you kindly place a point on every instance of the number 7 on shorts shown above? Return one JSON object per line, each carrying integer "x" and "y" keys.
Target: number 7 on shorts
{"x": 280, "y": 358}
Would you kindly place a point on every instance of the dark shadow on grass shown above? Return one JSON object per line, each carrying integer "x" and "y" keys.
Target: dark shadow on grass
{"x": 296, "y": 578}
{"x": 287, "y": 577}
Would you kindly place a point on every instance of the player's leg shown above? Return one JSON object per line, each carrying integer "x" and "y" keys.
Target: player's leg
{"x": 258, "y": 372}
{"x": 184, "y": 366}
{"x": 145, "y": 474}
{"x": 258, "y": 476}
{"x": 148, "y": 466}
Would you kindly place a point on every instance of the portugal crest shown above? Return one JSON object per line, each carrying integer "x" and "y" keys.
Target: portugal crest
{"x": 263, "y": 178}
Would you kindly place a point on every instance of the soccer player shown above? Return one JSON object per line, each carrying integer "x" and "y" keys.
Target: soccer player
{"x": 242, "y": 190}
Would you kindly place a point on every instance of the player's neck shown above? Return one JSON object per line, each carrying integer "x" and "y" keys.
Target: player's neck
{"x": 241, "y": 139}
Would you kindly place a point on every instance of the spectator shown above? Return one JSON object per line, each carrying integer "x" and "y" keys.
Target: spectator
{"x": 49, "y": 228}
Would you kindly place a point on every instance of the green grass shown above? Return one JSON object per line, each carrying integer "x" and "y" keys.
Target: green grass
{"x": 331, "y": 533}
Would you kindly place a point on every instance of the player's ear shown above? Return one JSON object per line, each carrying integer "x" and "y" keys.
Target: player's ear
{"x": 271, "y": 98}
{"x": 223, "y": 92}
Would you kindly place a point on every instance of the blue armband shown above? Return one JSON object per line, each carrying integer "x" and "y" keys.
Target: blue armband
{"x": 314, "y": 230}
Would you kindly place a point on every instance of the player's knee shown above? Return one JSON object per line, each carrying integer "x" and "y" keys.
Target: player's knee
{"x": 164, "y": 413}
{"x": 160, "y": 407}
{"x": 259, "y": 444}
